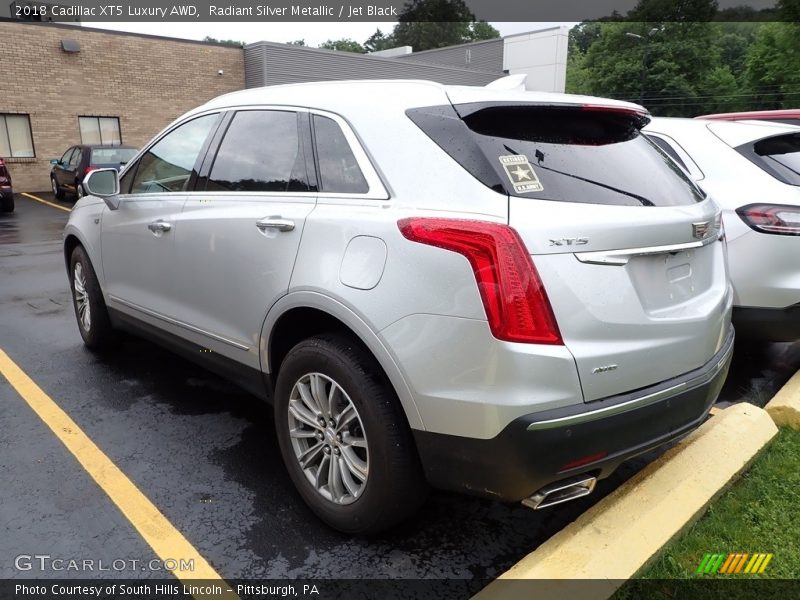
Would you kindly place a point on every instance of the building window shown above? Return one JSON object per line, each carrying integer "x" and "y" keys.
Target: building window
{"x": 100, "y": 130}
{"x": 16, "y": 140}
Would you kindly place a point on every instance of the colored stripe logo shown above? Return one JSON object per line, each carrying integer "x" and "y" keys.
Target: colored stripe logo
{"x": 735, "y": 563}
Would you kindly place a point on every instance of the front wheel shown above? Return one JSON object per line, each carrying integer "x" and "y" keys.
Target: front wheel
{"x": 344, "y": 438}
{"x": 59, "y": 195}
{"x": 87, "y": 300}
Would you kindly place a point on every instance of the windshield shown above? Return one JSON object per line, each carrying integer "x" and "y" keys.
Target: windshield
{"x": 101, "y": 156}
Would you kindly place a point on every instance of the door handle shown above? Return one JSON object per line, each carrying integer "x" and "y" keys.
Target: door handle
{"x": 275, "y": 222}
{"x": 159, "y": 226}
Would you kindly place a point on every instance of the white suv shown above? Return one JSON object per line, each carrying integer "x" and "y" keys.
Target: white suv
{"x": 752, "y": 169}
{"x": 497, "y": 292}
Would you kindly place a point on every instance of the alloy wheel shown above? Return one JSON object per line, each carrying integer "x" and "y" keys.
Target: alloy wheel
{"x": 328, "y": 438}
{"x": 82, "y": 297}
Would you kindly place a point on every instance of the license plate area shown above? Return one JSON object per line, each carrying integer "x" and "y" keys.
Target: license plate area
{"x": 668, "y": 280}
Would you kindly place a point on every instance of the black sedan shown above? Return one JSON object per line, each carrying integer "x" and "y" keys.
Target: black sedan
{"x": 66, "y": 176}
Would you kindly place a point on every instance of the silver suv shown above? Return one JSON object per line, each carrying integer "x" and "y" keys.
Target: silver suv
{"x": 496, "y": 292}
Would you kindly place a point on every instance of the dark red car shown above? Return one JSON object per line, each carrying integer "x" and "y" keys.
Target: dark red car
{"x": 68, "y": 172}
{"x": 789, "y": 116}
{"x": 6, "y": 193}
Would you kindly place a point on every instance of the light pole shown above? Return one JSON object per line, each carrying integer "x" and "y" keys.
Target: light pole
{"x": 645, "y": 52}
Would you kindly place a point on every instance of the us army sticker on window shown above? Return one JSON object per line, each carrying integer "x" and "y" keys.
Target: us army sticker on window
{"x": 521, "y": 173}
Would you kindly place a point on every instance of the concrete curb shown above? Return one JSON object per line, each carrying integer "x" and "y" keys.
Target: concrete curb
{"x": 784, "y": 408}
{"x": 615, "y": 538}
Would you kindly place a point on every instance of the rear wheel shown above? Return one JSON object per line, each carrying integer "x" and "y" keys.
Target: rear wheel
{"x": 78, "y": 190}
{"x": 87, "y": 300}
{"x": 344, "y": 438}
{"x": 7, "y": 204}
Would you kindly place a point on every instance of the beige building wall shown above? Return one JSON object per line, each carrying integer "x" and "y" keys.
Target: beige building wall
{"x": 145, "y": 81}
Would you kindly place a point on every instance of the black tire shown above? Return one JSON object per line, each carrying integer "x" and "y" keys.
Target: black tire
{"x": 98, "y": 334}
{"x": 7, "y": 205}
{"x": 57, "y": 191}
{"x": 78, "y": 191}
{"x": 395, "y": 486}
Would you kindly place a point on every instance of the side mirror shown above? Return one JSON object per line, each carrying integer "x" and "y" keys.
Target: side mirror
{"x": 103, "y": 183}
{"x": 55, "y": 161}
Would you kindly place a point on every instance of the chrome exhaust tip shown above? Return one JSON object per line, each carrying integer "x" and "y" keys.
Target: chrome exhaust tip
{"x": 561, "y": 491}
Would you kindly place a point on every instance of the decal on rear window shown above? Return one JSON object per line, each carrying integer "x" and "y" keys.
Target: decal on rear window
{"x": 521, "y": 174}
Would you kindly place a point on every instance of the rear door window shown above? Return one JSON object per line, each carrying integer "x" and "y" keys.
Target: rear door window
{"x": 564, "y": 153}
{"x": 778, "y": 155}
{"x": 261, "y": 152}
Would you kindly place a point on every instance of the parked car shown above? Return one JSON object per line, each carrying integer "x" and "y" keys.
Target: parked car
{"x": 6, "y": 189}
{"x": 788, "y": 117}
{"x": 496, "y": 292}
{"x": 753, "y": 171}
{"x": 68, "y": 172}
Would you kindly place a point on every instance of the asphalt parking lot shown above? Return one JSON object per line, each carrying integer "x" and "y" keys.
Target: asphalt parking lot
{"x": 205, "y": 454}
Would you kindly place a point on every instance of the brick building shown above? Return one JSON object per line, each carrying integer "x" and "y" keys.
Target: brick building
{"x": 54, "y": 75}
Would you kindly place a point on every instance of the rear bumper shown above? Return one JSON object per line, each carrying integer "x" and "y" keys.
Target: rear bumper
{"x": 538, "y": 449}
{"x": 768, "y": 324}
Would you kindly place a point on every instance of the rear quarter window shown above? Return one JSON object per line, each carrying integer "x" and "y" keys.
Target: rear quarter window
{"x": 778, "y": 155}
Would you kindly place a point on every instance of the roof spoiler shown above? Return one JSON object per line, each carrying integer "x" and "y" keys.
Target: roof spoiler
{"x": 515, "y": 83}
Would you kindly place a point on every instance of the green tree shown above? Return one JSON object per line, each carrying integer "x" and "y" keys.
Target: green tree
{"x": 297, "y": 43}
{"x": 343, "y": 45}
{"x": 232, "y": 43}
{"x": 428, "y": 24}
{"x": 379, "y": 41}
{"x": 772, "y": 73}
{"x": 583, "y": 35}
{"x": 481, "y": 30}
{"x": 676, "y": 11}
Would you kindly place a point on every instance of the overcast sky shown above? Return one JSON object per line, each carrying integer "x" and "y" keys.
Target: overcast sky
{"x": 313, "y": 33}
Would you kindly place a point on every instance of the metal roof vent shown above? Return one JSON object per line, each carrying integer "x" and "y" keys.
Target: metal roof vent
{"x": 70, "y": 46}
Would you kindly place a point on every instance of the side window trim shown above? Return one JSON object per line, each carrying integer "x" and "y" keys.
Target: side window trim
{"x": 695, "y": 171}
{"x": 308, "y": 148}
{"x": 198, "y": 180}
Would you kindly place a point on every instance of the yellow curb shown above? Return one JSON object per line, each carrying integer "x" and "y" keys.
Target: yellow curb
{"x": 784, "y": 408}
{"x": 615, "y": 538}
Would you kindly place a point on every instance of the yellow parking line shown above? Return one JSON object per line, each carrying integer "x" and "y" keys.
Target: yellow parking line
{"x": 43, "y": 201}
{"x": 166, "y": 541}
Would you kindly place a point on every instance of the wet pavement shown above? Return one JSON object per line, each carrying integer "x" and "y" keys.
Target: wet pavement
{"x": 205, "y": 454}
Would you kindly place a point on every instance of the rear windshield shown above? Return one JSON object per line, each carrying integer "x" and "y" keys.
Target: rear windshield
{"x": 102, "y": 156}
{"x": 779, "y": 156}
{"x": 565, "y": 154}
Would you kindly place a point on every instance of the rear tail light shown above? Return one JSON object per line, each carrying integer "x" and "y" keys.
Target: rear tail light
{"x": 514, "y": 298}
{"x": 88, "y": 170}
{"x": 776, "y": 219}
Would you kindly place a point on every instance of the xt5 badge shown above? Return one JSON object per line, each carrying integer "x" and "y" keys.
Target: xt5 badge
{"x": 521, "y": 173}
